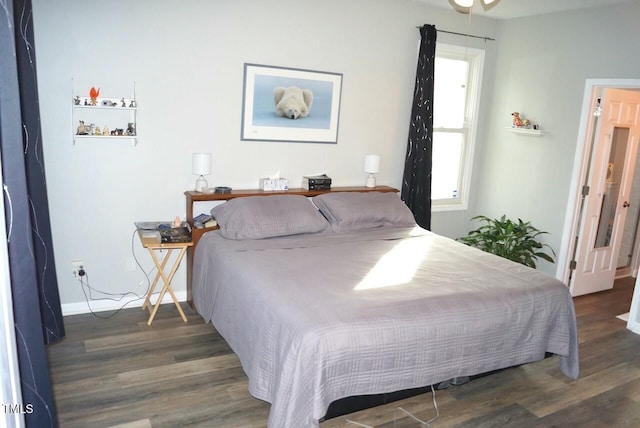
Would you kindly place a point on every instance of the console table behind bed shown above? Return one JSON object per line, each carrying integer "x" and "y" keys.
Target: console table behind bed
{"x": 194, "y": 197}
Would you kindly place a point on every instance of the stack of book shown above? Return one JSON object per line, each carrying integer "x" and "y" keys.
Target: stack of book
{"x": 165, "y": 231}
{"x": 316, "y": 182}
{"x": 203, "y": 221}
{"x": 172, "y": 234}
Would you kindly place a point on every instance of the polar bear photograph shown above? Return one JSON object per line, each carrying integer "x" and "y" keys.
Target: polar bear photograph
{"x": 290, "y": 105}
{"x": 292, "y": 102}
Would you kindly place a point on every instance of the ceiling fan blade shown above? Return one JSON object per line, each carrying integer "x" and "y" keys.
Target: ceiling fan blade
{"x": 462, "y": 6}
{"x": 465, "y": 6}
{"x": 488, "y": 4}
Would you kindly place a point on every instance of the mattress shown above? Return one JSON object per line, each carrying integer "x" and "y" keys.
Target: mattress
{"x": 318, "y": 317}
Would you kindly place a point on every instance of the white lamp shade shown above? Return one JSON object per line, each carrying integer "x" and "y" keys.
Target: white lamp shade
{"x": 464, "y": 3}
{"x": 201, "y": 164}
{"x": 372, "y": 164}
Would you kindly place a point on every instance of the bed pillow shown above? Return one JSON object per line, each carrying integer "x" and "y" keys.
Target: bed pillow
{"x": 257, "y": 217}
{"x": 355, "y": 210}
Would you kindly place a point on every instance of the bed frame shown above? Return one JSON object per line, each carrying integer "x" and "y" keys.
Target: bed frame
{"x": 193, "y": 197}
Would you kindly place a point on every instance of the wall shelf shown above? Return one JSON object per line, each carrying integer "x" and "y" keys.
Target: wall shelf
{"x": 113, "y": 137}
{"x": 525, "y": 131}
{"x": 104, "y": 107}
{"x": 112, "y": 112}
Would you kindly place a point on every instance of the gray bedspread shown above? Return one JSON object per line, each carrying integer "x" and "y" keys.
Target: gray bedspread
{"x": 320, "y": 317}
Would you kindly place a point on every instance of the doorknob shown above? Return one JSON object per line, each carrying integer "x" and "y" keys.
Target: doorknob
{"x": 625, "y": 204}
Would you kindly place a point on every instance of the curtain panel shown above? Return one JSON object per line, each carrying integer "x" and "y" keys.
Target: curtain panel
{"x": 416, "y": 181}
{"x": 34, "y": 288}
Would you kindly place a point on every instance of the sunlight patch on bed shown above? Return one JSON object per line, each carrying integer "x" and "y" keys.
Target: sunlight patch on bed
{"x": 398, "y": 266}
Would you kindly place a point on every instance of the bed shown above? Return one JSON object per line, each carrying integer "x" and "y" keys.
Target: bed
{"x": 343, "y": 295}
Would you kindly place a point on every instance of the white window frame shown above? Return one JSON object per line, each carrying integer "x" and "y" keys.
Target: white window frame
{"x": 475, "y": 58}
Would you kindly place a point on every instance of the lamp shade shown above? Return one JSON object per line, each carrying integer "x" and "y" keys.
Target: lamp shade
{"x": 371, "y": 164}
{"x": 201, "y": 164}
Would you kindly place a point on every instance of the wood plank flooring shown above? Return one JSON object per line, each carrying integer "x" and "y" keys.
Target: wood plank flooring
{"x": 119, "y": 372}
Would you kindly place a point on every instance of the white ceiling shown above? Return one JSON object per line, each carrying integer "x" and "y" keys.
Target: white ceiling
{"x": 520, "y": 8}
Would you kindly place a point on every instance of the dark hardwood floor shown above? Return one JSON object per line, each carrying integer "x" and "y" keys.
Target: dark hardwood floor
{"x": 121, "y": 372}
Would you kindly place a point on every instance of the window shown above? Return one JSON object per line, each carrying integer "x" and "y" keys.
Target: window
{"x": 458, "y": 74}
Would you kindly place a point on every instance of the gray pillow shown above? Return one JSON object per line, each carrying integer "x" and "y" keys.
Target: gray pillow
{"x": 257, "y": 217}
{"x": 363, "y": 210}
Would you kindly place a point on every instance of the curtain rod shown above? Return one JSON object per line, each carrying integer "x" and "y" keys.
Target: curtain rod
{"x": 485, "y": 38}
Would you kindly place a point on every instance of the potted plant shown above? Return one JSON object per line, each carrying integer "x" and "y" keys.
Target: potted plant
{"x": 517, "y": 241}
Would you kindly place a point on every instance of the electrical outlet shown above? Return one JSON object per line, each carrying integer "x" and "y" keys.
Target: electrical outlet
{"x": 77, "y": 266}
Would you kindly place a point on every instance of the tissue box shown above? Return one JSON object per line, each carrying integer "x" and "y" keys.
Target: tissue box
{"x": 273, "y": 184}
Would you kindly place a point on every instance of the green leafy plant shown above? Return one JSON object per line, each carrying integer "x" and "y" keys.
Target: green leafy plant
{"x": 517, "y": 241}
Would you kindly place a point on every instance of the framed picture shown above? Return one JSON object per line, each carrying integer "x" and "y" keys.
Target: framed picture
{"x": 290, "y": 105}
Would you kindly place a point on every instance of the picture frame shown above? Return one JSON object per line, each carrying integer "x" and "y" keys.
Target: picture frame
{"x": 274, "y": 104}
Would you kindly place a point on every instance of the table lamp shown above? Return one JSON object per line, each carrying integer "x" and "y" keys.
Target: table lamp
{"x": 372, "y": 166}
{"x": 201, "y": 165}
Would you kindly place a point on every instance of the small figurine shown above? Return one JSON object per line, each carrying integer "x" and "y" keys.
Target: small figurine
{"x": 94, "y": 94}
{"x": 132, "y": 104}
{"x": 105, "y": 131}
{"x": 517, "y": 122}
{"x": 177, "y": 222}
{"x": 82, "y": 130}
{"x": 76, "y": 100}
{"x": 123, "y": 103}
{"x": 131, "y": 128}
{"x": 97, "y": 131}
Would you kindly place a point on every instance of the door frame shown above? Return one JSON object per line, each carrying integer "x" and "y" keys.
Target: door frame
{"x": 580, "y": 168}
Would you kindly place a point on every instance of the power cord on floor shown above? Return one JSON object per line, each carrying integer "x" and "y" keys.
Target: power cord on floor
{"x": 83, "y": 278}
{"x": 423, "y": 424}
{"x": 85, "y": 283}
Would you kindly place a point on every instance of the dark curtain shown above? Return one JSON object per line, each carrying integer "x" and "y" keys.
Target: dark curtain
{"x": 416, "y": 181}
{"x": 34, "y": 287}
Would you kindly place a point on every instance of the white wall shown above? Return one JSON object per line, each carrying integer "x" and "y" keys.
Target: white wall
{"x": 187, "y": 61}
{"x": 543, "y": 63}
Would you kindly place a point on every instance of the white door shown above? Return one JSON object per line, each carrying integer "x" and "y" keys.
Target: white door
{"x": 607, "y": 201}
{"x": 634, "y": 314}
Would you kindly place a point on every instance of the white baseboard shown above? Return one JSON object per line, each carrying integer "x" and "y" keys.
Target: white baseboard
{"x": 633, "y": 328}
{"x": 109, "y": 305}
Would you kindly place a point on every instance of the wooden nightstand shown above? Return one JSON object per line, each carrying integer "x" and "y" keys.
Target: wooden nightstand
{"x": 153, "y": 245}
